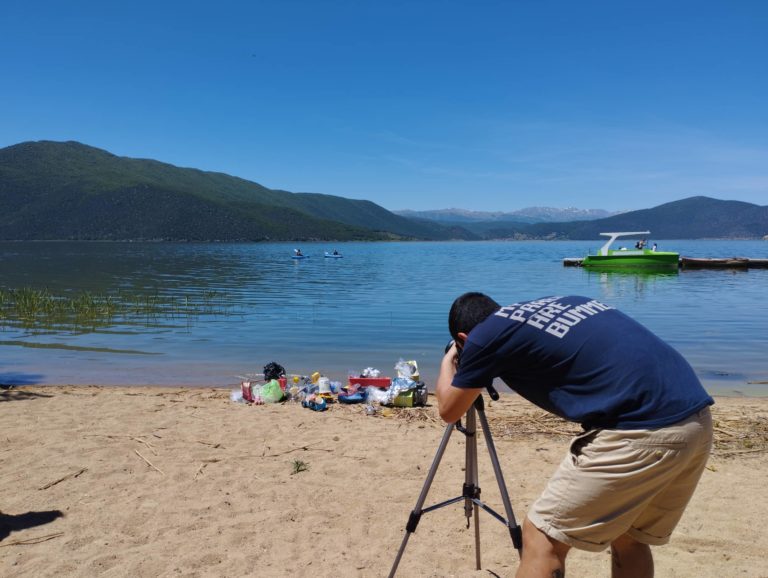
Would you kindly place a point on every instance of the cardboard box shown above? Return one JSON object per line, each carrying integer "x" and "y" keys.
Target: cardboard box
{"x": 416, "y": 397}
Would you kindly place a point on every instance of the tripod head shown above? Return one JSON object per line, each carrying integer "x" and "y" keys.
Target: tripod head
{"x": 492, "y": 393}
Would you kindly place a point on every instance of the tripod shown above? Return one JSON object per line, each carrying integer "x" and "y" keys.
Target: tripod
{"x": 471, "y": 490}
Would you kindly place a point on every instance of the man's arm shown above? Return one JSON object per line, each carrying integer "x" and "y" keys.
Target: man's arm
{"x": 453, "y": 402}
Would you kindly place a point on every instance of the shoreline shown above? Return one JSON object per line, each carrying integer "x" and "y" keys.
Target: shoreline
{"x": 162, "y": 481}
{"x": 740, "y": 390}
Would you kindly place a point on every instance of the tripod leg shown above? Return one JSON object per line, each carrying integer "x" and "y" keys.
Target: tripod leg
{"x": 515, "y": 531}
{"x": 413, "y": 519}
{"x": 471, "y": 483}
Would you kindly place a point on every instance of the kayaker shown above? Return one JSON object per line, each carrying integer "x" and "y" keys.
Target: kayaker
{"x": 298, "y": 252}
{"x": 626, "y": 480}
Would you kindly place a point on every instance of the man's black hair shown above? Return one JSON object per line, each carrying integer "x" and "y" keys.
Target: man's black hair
{"x": 468, "y": 310}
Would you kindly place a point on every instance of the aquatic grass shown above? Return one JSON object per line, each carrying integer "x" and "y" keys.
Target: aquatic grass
{"x": 39, "y": 308}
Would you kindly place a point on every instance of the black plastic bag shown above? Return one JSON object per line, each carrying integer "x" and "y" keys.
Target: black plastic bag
{"x": 273, "y": 370}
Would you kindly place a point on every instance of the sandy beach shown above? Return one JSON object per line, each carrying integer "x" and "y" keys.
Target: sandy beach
{"x": 146, "y": 481}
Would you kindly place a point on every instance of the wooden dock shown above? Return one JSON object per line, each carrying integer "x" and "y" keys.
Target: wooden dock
{"x": 698, "y": 263}
{"x": 729, "y": 263}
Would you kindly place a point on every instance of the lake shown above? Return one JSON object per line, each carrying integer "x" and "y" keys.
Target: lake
{"x": 382, "y": 302}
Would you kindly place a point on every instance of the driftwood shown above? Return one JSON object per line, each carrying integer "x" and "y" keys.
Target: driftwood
{"x": 29, "y": 541}
{"x": 68, "y": 476}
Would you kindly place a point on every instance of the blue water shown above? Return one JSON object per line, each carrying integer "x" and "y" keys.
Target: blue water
{"x": 380, "y": 303}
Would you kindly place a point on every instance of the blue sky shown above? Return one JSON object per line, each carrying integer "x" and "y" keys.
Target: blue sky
{"x": 416, "y": 104}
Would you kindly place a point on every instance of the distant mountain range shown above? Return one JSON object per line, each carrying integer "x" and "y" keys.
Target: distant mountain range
{"x": 527, "y": 215}
{"x": 68, "y": 190}
{"x": 691, "y": 218}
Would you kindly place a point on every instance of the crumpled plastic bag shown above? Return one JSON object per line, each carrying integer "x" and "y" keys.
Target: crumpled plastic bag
{"x": 376, "y": 395}
{"x": 407, "y": 369}
{"x": 271, "y": 392}
{"x": 399, "y": 385}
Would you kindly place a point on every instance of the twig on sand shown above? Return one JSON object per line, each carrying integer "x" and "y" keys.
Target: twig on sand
{"x": 724, "y": 430}
{"x": 146, "y": 443}
{"x": 29, "y": 541}
{"x": 305, "y": 448}
{"x": 341, "y": 418}
{"x": 213, "y": 445}
{"x": 150, "y": 464}
{"x": 70, "y": 475}
{"x": 139, "y": 439}
{"x": 204, "y": 465}
{"x": 733, "y": 452}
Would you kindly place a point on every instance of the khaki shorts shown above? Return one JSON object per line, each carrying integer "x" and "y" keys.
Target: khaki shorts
{"x": 624, "y": 481}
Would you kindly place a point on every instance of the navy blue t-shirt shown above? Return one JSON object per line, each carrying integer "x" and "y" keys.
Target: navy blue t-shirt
{"x": 584, "y": 361}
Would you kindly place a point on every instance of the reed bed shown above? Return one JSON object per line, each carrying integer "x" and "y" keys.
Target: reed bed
{"x": 39, "y": 308}
{"x": 736, "y": 431}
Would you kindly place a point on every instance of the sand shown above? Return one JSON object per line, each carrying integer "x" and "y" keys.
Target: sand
{"x": 102, "y": 481}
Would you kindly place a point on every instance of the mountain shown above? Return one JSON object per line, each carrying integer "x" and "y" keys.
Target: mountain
{"x": 527, "y": 215}
{"x": 68, "y": 190}
{"x": 691, "y": 218}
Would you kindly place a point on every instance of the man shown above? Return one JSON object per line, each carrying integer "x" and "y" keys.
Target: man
{"x": 627, "y": 479}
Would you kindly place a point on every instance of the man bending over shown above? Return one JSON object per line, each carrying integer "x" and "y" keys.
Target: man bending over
{"x": 627, "y": 479}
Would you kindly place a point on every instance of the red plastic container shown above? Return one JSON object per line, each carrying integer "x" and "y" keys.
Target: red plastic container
{"x": 283, "y": 383}
{"x": 370, "y": 381}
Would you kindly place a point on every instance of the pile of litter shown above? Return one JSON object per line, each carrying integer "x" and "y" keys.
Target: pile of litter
{"x": 317, "y": 391}
{"x": 737, "y": 431}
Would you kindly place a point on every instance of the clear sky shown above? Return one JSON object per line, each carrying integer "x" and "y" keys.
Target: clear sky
{"x": 482, "y": 105}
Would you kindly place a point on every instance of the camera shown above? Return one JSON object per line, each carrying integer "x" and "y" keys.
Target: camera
{"x": 458, "y": 352}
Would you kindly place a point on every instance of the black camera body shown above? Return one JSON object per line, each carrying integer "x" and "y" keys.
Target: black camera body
{"x": 458, "y": 352}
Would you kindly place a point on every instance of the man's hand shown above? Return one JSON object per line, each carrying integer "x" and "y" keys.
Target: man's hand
{"x": 453, "y": 402}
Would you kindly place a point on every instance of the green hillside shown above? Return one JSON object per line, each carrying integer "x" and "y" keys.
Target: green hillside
{"x": 67, "y": 190}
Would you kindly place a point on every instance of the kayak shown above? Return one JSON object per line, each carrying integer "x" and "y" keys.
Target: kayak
{"x": 299, "y": 256}
{"x": 332, "y": 256}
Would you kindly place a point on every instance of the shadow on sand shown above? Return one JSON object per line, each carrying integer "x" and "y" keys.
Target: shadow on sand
{"x": 13, "y": 523}
{"x": 8, "y": 392}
